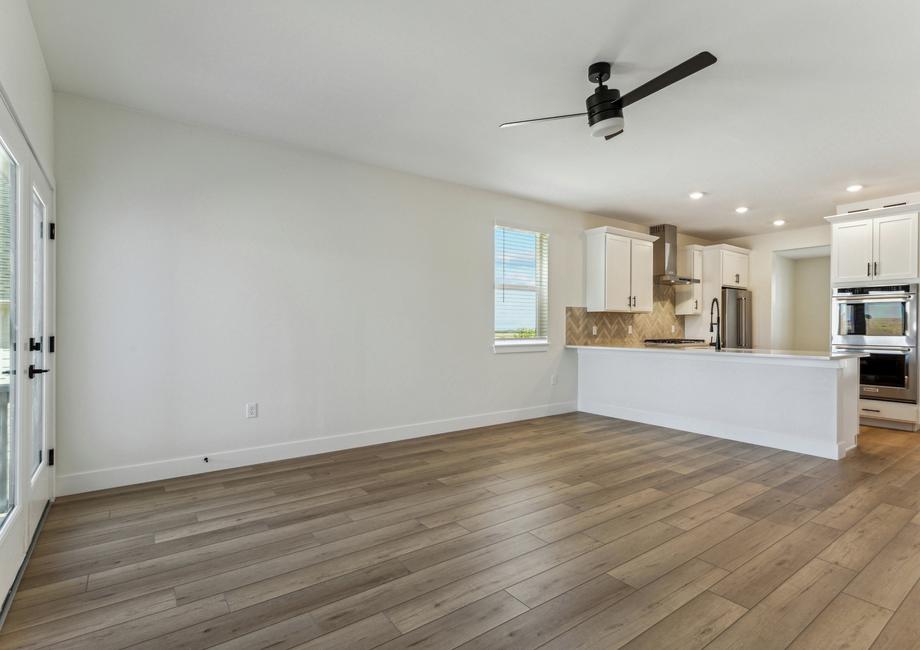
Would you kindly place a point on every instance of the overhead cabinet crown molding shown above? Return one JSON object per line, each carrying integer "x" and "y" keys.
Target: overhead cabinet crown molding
{"x": 619, "y": 270}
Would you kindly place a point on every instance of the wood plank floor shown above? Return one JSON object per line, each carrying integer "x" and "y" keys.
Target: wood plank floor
{"x": 562, "y": 532}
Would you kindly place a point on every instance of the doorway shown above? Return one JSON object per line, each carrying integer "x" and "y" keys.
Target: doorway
{"x": 801, "y": 299}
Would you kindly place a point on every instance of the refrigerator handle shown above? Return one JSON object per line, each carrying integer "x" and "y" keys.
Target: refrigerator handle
{"x": 742, "y": 343}
{"x": 741, "y": 322}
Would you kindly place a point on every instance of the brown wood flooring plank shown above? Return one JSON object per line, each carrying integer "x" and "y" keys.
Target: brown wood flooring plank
{"x": 561, "y": 532}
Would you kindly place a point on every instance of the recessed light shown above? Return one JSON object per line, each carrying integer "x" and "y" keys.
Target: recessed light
{"x": 696, "y": 195}
{"x": 779, "y": 222}
{"x": 741, "y": 209}
{"x": 854, "y": 188}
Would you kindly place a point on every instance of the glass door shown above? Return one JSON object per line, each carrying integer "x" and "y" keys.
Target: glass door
{"x": 8, "y": 451}
{"x": 26, "y": 391}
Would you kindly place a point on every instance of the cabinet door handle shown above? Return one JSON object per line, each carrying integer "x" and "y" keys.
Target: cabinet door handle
{"x": 875, "y": 268}
{"x": 696, "y": 304}
{"x": 868, "y": 269}
{"x": 872, "y": 410}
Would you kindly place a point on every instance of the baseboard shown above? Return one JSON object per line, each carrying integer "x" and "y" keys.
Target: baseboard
{"x": 752, "y": 435}
{"x": 142, "y": 473}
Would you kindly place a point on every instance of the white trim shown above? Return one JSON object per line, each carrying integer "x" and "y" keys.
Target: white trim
{"x": 504, "y": 346}
{"x": 728, "y": 247}
{"x": 187, "y": 465}
{"x": 622, "y": 232}
{"x": 8, "y": 103}
{"x": 706, "y": 427}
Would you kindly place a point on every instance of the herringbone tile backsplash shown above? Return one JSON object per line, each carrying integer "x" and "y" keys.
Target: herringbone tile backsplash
{"x": 613, "y": 328}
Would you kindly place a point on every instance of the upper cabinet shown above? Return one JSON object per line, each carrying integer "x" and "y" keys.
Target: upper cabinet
{"x": 619, "y": 270}
{"x": 879, "y": 248}
{"x": 851, "y": 251}
{"x": 894, "y": 247}
{"x": 688, "y": 298}
{"x": 734, "y": 268}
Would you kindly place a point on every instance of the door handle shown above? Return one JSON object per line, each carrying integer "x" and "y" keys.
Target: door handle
{"x": 868, "y": 269}
{"x": 874, "y": 268}
{"x": 36, "y": 371}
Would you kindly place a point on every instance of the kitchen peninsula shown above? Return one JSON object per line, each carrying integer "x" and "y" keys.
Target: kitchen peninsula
{"x": 796, "y": 401}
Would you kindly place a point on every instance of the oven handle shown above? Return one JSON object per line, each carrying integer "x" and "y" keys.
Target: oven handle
{"x": 901, "y": 297}
{"x": 875, "y": 350}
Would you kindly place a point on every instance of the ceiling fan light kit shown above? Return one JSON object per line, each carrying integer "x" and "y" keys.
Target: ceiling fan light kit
{"x": 605, "y": 105}
{"x": 605, "y": 113}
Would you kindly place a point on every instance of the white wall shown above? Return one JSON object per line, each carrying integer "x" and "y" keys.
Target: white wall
{"x": 782, "y": 321}
{"x": 812, "y": 304}
{"x": 200, "y": 270}
{"x": 24, "y": 78}
{"x": 761, "y": 269}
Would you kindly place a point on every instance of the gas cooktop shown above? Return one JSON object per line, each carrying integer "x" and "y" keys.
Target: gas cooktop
{"x": 675, "y": 342}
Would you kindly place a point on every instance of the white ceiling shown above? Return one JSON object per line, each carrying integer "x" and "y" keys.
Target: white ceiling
{"x": 807, "y": 96}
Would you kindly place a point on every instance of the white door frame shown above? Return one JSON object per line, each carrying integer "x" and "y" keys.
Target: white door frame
{"x": 40, "y": 490}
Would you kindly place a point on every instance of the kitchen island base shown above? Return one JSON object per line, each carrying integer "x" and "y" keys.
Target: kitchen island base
{"x": 802, "y": 403}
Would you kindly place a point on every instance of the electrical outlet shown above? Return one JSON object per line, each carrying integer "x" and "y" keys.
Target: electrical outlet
{"x": 673, "y": 329}
{"x": 553, "y": 379}
{"x": 594, "y": 330}
{"x": 252, "y": 410}
{"x": 629, "y": 329}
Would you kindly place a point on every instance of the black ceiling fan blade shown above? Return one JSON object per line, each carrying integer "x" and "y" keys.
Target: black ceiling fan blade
{"x": 691, "y": 66}
{"x": 613, "y": 135}
{"x": 541, "y": 119}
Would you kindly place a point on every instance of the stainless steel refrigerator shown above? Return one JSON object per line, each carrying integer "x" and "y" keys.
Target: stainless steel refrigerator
{"x": 736, "y": 318}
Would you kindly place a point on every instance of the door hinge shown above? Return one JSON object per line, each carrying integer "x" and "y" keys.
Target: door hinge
{"x": 50, "y": 344}
{"x": 51, "y": 457}
{"x": 51, "y": 230}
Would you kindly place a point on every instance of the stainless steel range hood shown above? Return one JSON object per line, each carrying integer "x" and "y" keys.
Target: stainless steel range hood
{"x": 664, "y": 256}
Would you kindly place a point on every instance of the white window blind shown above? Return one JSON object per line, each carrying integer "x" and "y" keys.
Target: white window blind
{"x": 521, "y": 285}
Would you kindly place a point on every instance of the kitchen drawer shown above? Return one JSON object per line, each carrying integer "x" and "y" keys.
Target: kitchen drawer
{"x": 878, "y": 409}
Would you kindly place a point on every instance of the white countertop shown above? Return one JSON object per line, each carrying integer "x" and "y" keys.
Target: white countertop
{"x": 762, "y": 353}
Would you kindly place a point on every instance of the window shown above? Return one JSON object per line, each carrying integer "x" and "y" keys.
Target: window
{"x": 521, "y": 287}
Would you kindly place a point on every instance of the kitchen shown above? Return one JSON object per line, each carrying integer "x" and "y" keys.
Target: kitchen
{"x": 668, "y": 333}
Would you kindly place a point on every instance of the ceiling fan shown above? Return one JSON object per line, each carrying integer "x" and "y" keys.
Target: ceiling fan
{"x": 605, "y": 106}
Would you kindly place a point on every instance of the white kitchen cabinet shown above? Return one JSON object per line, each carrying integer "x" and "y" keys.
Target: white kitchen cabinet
{"x": 734, "y": 269}
{"x": 875, "y": 248}
{"x": 851, "y": 251}
{"x": 688, "y": 298}
{"x": 641, "y": 275}
{"x": 894, "y": 247}
{"x": 618, "y": 270}
{"x": 617, "y": 273}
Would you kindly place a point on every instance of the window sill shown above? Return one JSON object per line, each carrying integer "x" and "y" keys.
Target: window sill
{"x": 504, "y": 347}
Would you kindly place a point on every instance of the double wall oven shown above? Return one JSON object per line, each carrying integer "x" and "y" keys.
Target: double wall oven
{"x": 882, "y": 322}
